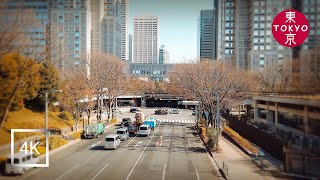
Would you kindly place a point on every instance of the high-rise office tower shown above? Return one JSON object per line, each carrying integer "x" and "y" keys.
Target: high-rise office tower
{"x": 164, "y": 55}
{"x": 145, "y": 39}
{"x": 207, "y": 35}
{"x": 29, "y": 23}
{"x": 71, "y": 33}
{"x": 96, "y": 7}
{"x": 124, "y": 30}
{"x": 226, "y": 31}
{"x": 130, "y": 48}
{"x": 111, "y": 28}
{"x": 241, "y": 33}
{"x": 263, "y": 49}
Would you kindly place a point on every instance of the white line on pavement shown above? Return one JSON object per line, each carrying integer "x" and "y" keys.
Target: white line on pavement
{"x": 138, "y": 143}
{"x": 189, "y": 145}
{"x": 99, "y": 172}
{"x": 164, "y": 171}
{"x": 142, "y": 153}
{"x": 197, "y": 172}
{"x": 160, "y": 141}
{"x": 130, "y": 140}
{"x": 67, "y": 171}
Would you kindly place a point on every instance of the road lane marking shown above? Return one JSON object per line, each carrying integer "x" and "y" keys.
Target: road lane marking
{"x": 138, "y": 143}
{"x": 197, "y": 172}
{"x": 67, "y": 171}
{"x": 164, "y": 171}
{"x": 160, "y": 141}
{"x": 189, "y": 145}
{"x": 142, "y": 153}
{"x": 93, "y": 145}
{"x": 130, "y": 140}
{"x": 99, "y": 172}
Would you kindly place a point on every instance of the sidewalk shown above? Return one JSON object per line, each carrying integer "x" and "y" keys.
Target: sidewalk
{"x": 241, "y": 166}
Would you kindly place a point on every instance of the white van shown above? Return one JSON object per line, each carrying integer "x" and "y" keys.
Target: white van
{"x": 112, "y": 141}
{"x": 144, "y": 130}
{"x": 123, "y": 133}
{"x": 20, "y": 158}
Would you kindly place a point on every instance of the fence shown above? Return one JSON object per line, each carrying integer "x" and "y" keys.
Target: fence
{"x": 264, "y": 140}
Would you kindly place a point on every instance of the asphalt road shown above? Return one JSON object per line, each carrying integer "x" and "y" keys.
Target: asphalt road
{"x": 172, "y": 151}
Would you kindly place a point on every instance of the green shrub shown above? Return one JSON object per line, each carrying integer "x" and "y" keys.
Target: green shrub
{"x": 211, "y": 134}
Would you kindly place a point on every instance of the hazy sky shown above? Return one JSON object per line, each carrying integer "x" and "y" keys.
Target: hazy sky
{"x": 177, "y": 23}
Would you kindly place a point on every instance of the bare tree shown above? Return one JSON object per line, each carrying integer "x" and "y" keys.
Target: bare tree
{"x": 109, "y": 74}
{"x": 17, "y": 37}
{"x": 78, "y": 93}
{"x": 203, "y": 80}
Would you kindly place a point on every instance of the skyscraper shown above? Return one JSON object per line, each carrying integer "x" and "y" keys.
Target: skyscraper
{"x": 71, "y": 33}
{"x": 30, "y": 21}
{"x": 241, "y": 33}
{"x": 111, "y": 28}
{"x": 226, "y": 31}
{"x": 263, "y": 49}
{"x": 130, "y": 48}
{"x": 207, "y": 35}
{"x": 145, "y": 39}
{"x": 96, "y": 7}
{"x": 124, "y": 30}
{"x": 164, "y": 55}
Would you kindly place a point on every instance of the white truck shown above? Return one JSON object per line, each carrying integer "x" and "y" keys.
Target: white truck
{"x": 93, "y": 130}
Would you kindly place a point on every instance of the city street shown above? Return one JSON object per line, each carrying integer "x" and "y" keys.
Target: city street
{"x": 172, "y": 151}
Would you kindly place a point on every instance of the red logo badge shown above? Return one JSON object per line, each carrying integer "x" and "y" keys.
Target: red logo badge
{"x": 290, "y": 28}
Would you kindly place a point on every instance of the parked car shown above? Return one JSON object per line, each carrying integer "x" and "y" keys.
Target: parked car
{"x": 194, "y": 112}
{"x": 133, "y": 110}
{"x": 160, "y": 112}
{"x": 175, "y": 111}
{"x": 112, "y": 141}
{"x": 125, "y": 122}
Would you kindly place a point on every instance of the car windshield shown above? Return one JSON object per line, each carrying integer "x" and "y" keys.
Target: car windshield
{"x": 110, "y": 139}
{"x": 143, "y": 128}
{"x": 120, "y": 132}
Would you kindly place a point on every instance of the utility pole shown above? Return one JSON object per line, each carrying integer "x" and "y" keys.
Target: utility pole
{"x": 218, "y": 120}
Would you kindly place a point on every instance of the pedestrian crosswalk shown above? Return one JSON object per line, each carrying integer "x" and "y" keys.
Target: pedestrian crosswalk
{"x": 176, "y": 121}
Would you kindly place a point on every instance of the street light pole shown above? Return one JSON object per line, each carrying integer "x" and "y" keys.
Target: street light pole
{"x": 46, "y": 105}
{"x": 46, "y": 119}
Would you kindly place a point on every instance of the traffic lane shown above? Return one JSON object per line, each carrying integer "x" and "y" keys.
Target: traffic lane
{"x": 107, "y": 161}
{"x": 61, "y": 159}
{"x": 174, "y": 159}
{"x": 122, "y": 163}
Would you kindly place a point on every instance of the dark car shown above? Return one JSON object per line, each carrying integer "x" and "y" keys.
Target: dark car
{"x": 160, "y": 112}
{"x": 126, "y": 122}
{"x": 133, "y": 110}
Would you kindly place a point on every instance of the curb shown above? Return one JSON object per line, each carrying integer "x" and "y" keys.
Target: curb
{"x": 213, "y": 160}
{"x": 52, "y": 152}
